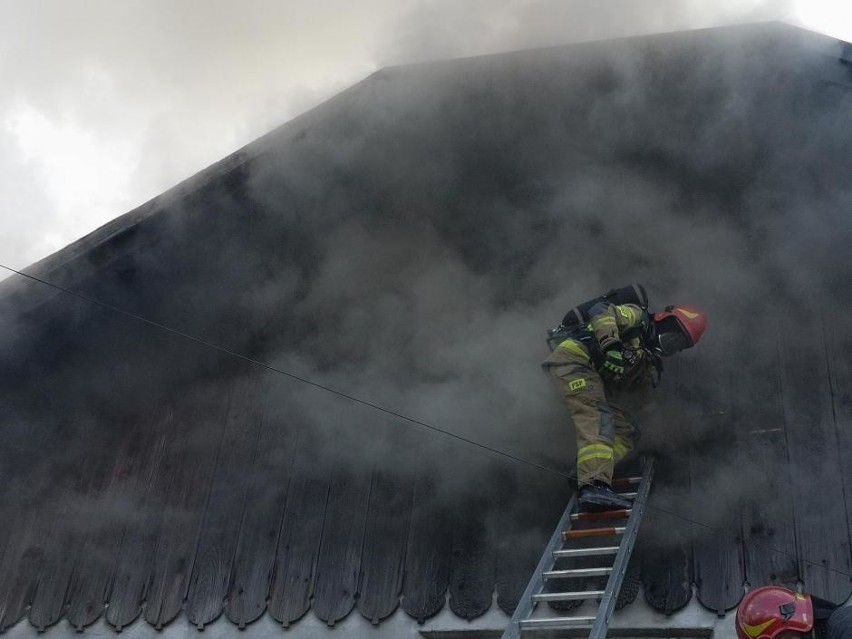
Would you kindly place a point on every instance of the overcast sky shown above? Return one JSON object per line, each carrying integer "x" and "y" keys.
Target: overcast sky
{"x": 107, "y": 103}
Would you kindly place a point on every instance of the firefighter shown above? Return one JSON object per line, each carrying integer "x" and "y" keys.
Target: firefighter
{"x": 773, "y": 612}
{"x": 617, "y": 352}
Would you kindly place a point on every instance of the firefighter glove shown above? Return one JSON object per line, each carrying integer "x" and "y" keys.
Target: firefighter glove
{"x": 613, "y": 364}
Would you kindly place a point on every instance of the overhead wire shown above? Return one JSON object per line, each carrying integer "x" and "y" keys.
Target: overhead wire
{"x": 280, "y": 371}
{"x": 393, "y": 413}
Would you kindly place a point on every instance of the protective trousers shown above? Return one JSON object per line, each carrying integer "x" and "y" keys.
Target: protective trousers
{"x": 604, "y": 431}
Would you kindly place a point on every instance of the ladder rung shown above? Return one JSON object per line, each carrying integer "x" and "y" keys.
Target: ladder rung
{"x": 558, "y": 622}
{"x": 602, "y": 530}
{"x": 577, "y": 572}
{"x": 607, "y": 514}
{"x": 585, "y": 552}
{"x": 623, "y": 482}
{"x": 592, "y": 532}
{"x": 568, "y": 596}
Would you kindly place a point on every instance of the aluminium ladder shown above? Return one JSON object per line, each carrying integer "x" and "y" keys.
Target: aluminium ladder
{"x": 559, "y": 550}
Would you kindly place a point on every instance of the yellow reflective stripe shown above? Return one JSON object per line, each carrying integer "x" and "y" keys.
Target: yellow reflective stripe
{"x": 587, "y": 458}
{"x": 572, "y": 346}
{"x": 603, "y": 320}
{"x": 754, "y": 631}
{"x": 595, "y": 447}
{"x": 594, "y": 451}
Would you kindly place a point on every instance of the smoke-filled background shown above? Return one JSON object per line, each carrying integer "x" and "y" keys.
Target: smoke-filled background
{"x": 407, "y": 243}
{"x": 106, "y": 105}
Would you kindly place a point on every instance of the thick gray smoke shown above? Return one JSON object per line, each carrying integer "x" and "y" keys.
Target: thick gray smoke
{"x": 439, "y": 29}
{"x": 409, "y": 242}
{"x": 453, "y": 234}
{"x": 435, "y": 220}
{"x": 97, "y": 119}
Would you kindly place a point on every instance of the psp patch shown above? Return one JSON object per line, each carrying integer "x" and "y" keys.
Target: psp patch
{"x": 576, "y": 385}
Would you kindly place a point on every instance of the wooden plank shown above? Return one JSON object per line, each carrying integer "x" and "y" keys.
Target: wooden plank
{"x": 10, "y": 506}
{"x": 663, "y": 548}
{"x": 8, "y": 541}
{"x": 822, "y": 538}
{"x": 200, "y": 420}
{"x": 427, "y": 556}
{"x": 255, "y": 558}
{"x": 529, "y": 504}
{"x": 838, "y": 339}
{"x": 69, "y": 528}
{"x": 232, "y": 480}
{"x": 19, "y": 505}
{"x": 299, "y": 541}
{"x": 769, "y": 543}
{"x": 717, "y": 551}
{"x": 115, "y": 508}
{"x": 18, "y": 568}
{"x": 472, "y": 570}
{"x": 36, "y": 560}
{"x": 339, "y": 561}
{"x": 135, "y": 557}
{"x": 666, "y": 573}
{"x": 385, "y": 537}
{"x": 62, "y": 545}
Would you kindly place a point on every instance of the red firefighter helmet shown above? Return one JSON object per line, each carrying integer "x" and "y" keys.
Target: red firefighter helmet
{"x": 679, "y": 327}
{"x": 774, "y": 612}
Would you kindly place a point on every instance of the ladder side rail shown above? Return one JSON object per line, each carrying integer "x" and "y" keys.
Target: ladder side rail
{"x": 619, "y": 566}
{"x": 547, "y": 561}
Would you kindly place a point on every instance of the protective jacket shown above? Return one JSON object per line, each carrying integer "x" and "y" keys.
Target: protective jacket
{"x": 605, "y": 432}
{"x": 628, "y": 324}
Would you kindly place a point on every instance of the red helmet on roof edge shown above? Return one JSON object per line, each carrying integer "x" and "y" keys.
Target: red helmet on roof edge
{"x": 689, "y": 321}
{"x": 768, "y": 612}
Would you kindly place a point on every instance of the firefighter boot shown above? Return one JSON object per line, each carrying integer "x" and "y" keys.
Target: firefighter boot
{"x": 600, "y": 496}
